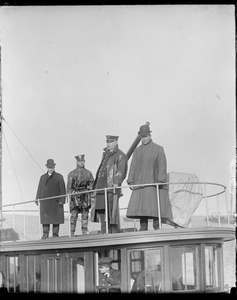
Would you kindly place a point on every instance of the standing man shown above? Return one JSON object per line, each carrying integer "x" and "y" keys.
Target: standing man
{"x": 111, "y": 173}
{"x": 148, "y": 166}
{"x": 80, "y": 180}
{"x": 51, "y": 210}
{"x": 108, "y": 277}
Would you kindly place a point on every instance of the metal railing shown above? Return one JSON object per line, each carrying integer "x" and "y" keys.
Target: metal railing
{"x": 205, "y": 196}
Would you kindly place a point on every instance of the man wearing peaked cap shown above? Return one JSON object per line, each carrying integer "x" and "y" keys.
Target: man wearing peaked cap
{"x": 105, "y": 260}
{"x": 51, "y": 210}
{"x": 80, "y": 157}
{"x": 111, "y": 138}
{"x": 108, "y": 276}
{"x": 110, "y": 174}
{"x": 79, "y": 180}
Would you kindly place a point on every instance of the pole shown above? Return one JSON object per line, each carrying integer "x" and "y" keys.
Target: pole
{"x": 205, "y": 195}
{"x": 106, "y": 212}
{"x": 134, "y": 144}
{"x": 158, "y": 204}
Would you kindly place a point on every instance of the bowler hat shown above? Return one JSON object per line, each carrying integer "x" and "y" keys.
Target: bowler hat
{"x": 111, "y": 138}
{"x": 80, "y": 157}
{"x": 144, "y": 130}
{"x": 50, "y": 163}
{"x": 105, "y": 260}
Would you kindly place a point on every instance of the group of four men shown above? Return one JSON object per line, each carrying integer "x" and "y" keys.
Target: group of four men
{"x": 148, "y": 166}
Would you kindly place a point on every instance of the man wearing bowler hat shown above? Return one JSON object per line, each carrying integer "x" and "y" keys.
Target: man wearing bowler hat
{"x": 80, "y": 180}
{"x": 108, "y": 276}
{"x": 148, "y": 166}
{"x": 51, "y": 210}
{"x": 110, "y": 174}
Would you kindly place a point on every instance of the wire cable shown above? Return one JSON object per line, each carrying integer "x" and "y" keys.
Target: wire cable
{"x": 22, "y": 144}
{"x": 13, "y": 167}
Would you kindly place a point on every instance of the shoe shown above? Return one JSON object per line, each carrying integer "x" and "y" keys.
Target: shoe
{"x": 44, "y": 236}
{"x": 115, "y": 230}
{"x": 84, "y": 232}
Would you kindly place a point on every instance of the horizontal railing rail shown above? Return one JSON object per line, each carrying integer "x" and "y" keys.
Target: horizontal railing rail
{"x": 122, "y": 187}
{"x": 67, "y": 196}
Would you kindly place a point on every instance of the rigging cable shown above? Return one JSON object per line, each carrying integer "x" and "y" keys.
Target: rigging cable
{"x": 16, "y": 229}
{"x": 22, "y": 144}
{"x": 14, "y": 167}
{"x": 17, "y": 182}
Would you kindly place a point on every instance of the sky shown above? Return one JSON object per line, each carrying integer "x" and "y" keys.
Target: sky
{"x": 73, "y": 74}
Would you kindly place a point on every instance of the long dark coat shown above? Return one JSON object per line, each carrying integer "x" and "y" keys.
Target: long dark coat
{"x": 148, "y": 166}
{"x": 51, "y": 212}
{"x": 116, "y": 173}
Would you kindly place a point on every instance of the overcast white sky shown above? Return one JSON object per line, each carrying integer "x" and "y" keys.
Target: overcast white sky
{"x": 72, "y": 75}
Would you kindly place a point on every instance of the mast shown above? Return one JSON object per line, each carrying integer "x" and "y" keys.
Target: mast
{"x": 134, "y": 144}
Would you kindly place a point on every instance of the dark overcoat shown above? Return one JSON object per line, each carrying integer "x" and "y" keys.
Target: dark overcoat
{"x": 148, "y": 166}
{"x": 51, "y": 212}
{"x": 116, "y": 170}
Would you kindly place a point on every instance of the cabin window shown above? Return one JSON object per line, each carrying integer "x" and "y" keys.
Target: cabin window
{"x": 146, "y": 270}
{"x": 13, "y": 274}
{"x": 116, "y": 264}
{"x": 77, "y": 273}
{"x": 1, "y": 279}
{"x": 63, "y": 269}
{"x": 33, "y": 273}
{"x": 211, "y": 266}
{"x": 185, "y": 268}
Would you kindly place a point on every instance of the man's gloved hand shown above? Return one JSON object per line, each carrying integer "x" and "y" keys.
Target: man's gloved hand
{"x": 107, "y": 274}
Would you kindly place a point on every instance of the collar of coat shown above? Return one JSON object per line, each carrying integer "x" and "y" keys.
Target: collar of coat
{"x": 111, "y": 152}
{"x": 51, "y": 174}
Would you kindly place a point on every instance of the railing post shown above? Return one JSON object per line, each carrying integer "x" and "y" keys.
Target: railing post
{"x": 69, "y": 221}
{"x": 218, "y": 211}
{"x": 24, "y": 224}
{"x": 13, "y": 220}
{"x": 227, "y": 209}
{"x": 158, "y": 204}
{"x": 106, "y": 212}
{"x": 205, "y": 195}
{"x": 40, "y": 233}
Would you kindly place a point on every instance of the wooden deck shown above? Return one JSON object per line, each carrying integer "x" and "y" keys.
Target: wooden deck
{"x": 121, "y": 239}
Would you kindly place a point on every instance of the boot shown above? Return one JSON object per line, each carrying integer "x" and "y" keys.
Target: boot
{"x": 103, "y": 223}
{"x": 45, "y": 231}
{"x": 85, "y": 231}
{"x": 113, "y": 228}
{"x": 143, "y": 224}
{"x": 73, "y": 229}
{"x": 55, "y": 230}
{"x": 84, "y": 221}
{"x": 156, "y": 223}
